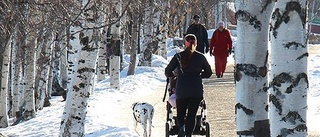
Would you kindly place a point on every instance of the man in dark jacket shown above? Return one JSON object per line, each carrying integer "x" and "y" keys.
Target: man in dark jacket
{"x": 201, "y": 33}
{"x": 191, "y": 67}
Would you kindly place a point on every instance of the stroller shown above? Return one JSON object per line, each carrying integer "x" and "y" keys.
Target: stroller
{"x": 202, "y": 127}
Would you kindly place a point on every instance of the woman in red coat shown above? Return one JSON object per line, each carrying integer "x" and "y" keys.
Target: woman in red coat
{"x": 220, "y": 47}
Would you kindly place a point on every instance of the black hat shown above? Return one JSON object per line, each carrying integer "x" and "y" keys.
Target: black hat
{"x": 196, "y": 17}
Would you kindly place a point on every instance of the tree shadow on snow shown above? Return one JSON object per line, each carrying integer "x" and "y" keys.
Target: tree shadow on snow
{"x": 110, "y": 131}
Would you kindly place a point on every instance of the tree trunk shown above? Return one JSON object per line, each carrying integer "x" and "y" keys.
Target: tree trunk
{"x": 102, "y": 59}
{"x": 43, "y": 64}
{"x": 29, "y": 95}
{"x": 75, "y": 111}
{"x": 133, "y": 26}
{"x": 164, "y": 30}
{"x": 146, "y": 53}
{"x": 4, "y": 118}
{"x": 63, "y": 60}
{"x": 115, "y": 46}
{"x": 251, "y": 56}
{"x": 102, "y": 68}
{"x": 288, "y": 78}
{"x": 15, "y": 76}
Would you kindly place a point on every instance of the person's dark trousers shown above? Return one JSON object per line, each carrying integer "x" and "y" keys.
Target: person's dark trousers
{"x": 220, "y": 65}
{"x": 191, "y": 105}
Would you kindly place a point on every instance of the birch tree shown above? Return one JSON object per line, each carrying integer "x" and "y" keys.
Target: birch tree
{"x": 7, "y": 26}
{"x": 29, "y": 63}
{"x": 288, "y": 76}
{"x": 63, "y": 59}
{"x": 133, "y": 25}
{"x": 75, "y": 111}
{"x": 17, "y": 72}
{"x": 102, "y": 68}
{"x": 146, "y": 50}
{"x": 251, "y": 57}
{"x": 163, "y": 32}
{"x": 29, "y": 107}
{"x": 115, "y": 45}
{"x": 43, "y": 60}
{"x": 4, "y": 118}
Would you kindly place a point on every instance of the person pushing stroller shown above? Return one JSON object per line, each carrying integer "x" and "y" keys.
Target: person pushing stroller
{"x": 192, "y": 66}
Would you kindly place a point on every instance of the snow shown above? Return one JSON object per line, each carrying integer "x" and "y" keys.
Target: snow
{"x": 106, "y": 105}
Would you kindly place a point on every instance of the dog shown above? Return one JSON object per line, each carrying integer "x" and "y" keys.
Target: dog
{"x": 143, "y": 113}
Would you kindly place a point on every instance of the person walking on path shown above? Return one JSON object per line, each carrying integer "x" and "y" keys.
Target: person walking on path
{"x": 201, "y": 33}
{"x": 191, "y": 67}
{"x": 220, "y": 48}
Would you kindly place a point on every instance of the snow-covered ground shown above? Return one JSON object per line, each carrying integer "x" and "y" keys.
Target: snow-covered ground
{"x": 106, "y": 105}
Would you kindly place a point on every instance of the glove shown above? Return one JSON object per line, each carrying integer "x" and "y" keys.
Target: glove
{"x": 207, "y": 50}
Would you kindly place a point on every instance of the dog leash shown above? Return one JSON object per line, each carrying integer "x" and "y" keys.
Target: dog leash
{"x": 165, "y": 92}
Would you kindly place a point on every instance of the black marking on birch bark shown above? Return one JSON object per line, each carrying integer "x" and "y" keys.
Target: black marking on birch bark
{"x": 89, "y": 48}
{"x": 275, "y": 101}
{"x": 82, "y": 85}
{"x": 75, "y": 88}
{"x": 285, "y": 132}
{"x": 237, "y": 75}
{"x": 246, "y": 16}
{"x": 276, "y": 15}
{"x": 302, "y": 56}
{"x": 281, "y": 78}
{"x": 291, "y": 117}
{"x": 294, "y": 45}
{"x": 290, "y": 6}
{"x": 286, "y": 78}
{"x": 245, "y": 109}
{"x": 84, "y": 40}
{"x": 301, "y": 76}
{"x": 296, "y": 6}
{"x": 81, "y": 61}
{"x": 265, "y": 88}
{"x": 251, "y": 70}
{"x": 82, "y": 70}
{"x": 76, "y": 117}
{"x": 264, "y": 7}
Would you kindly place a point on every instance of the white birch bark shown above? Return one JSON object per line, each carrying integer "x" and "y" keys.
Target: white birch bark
{"x": 102, "y": 59}
{"x": 63, "y": 61}
{"x": 115, "y": 44}
{"x": 288, "y": 77}
{"x": 251, "y": 55}
{"x": 43, "y": 70}
{"x": 72, "y": 124}
{"x": 164, "y": 30}
{"x": 14, "y": 79}
{"x": 134, "y": 39}
{"x": 146, "y": 50}
{"x": 16, "y": 98}
{"x": 102, "y": 68}
{"x": 4, "y": 118}
{"x": 29, "y": 106}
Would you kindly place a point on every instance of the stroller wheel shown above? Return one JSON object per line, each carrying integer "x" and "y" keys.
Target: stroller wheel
{"x": 167, "y": 129}
{"x": 207, "y": 129}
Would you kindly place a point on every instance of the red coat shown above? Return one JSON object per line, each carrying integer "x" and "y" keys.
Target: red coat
{"x": 221, "y": 43}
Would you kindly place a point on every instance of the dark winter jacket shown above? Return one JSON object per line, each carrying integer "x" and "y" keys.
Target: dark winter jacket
{"x": 202, "y": 36}
{"x": 189, "y": 79}
{"x": 221, "y": 43}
